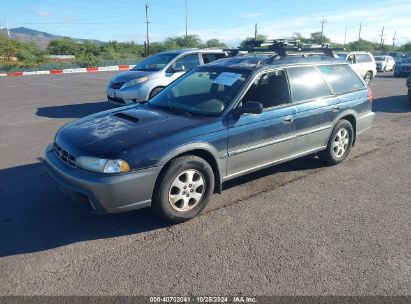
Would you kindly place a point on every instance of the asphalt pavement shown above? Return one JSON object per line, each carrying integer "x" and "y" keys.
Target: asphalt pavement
{"x": 295, "y": 229}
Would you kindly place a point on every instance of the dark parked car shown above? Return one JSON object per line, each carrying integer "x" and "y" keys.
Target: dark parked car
{"x": 215, "y": 123}
{"x": 403, "y": 67}
{"x": 409, "y": 88}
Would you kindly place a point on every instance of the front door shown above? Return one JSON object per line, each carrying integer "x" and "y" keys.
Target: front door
{"x": 258, "y": 140}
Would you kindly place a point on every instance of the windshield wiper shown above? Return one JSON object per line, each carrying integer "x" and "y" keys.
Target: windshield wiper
{"x": 173, "y": 109}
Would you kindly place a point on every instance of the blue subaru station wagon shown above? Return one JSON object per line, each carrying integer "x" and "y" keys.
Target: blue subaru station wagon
{"x": 215, "y": 123}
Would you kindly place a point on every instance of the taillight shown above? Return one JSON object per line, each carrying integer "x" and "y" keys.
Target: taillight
{"x": 369, "y": 97}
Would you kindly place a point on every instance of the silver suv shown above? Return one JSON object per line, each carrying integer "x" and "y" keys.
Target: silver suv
{"x": 154, "y": 73}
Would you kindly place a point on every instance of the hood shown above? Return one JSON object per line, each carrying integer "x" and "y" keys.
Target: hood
{"x": 130, "y": 75}
{"x": 111, "y": 132}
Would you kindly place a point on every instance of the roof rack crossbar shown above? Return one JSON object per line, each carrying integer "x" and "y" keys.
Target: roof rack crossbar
{"x": 282, "y": 47}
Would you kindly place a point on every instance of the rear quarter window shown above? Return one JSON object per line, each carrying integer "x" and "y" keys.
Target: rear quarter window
{"x": 207, "y": 58}
{"x": 341, "y": 78}
{"x": 306, "y": 83}
{"x": 363, "y": 58}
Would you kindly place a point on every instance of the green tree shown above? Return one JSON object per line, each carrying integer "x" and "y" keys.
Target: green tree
{"x": 316, "y": 38}
{"x": 259, "y": 37}
{"x": 63, "y": 46}
{"x": 215, "y": 43}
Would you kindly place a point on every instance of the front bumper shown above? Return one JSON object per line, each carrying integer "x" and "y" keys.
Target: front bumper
{"x": 136, "y": 93}
{"x": 101, "y": 193}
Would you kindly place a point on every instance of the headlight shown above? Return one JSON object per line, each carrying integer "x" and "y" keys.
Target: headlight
{"x": 102, "y": 165}
{"x": 135, "y": 81}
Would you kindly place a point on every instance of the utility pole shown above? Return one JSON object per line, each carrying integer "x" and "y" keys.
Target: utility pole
{"x": 322, "y": 30}
{"x": 7, "y": 27}
{"x": 345, "y": 37}
{"x": 185, "y": 4}
{"x": 255, "y": 31}
{"x": 382, "y": 39}
{"x": 147, "y": 22}
{"x": 393, "y": 39}
{"x": 359, "y": 36}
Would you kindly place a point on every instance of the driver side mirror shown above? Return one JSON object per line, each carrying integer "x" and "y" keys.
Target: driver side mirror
{"x": 178, "y": 68}
{"x": 250, "y": 107}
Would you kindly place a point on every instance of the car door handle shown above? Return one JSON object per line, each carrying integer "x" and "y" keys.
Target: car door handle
{"x": 336, "y": 108}
{"x": 288, "y": 119}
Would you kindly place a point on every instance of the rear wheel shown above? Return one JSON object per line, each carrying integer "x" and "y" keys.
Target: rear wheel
{"x": 368, "y": 77}
{"x": 184, "y": 189}
{"x": 339, "y": 145}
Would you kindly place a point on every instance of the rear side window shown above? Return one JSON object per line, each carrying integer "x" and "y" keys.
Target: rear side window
{"x": 363, "y": 58}
{"x": 306, "y": 83}
{"x": 341, "y": 78}
{"x": 207, "y": 58}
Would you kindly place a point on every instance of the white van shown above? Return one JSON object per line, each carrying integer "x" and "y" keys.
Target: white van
{"x": 363, "y": 63}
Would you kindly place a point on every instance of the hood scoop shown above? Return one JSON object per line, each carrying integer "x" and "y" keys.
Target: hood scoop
{"x": 127, "y": 117}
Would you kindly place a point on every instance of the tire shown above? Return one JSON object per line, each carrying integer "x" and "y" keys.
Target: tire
{"x": 339, "y": 145}
{"x": 155, "y": 91}
{"x": 184, "y": 189}
{"x": 368, "y": 77}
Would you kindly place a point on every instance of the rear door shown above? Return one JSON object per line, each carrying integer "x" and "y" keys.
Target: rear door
{"x": 315, "y": 107}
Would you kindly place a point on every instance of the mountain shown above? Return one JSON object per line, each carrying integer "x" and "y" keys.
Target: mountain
{"x": 42, "y": 39}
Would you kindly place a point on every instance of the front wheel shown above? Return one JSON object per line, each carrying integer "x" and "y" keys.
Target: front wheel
{"x": 155, "y": 91}
{"x": 339, "y": 145}
{"x": 368, "y": 77}
{"x": 184, "y": 189}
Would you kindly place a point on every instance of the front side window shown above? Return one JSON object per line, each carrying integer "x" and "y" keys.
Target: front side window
{"x": 155, "y": 62}
{"x": 351, "y": 59}
{"x": 188, "y": 62}
{"x": 270, "y": 89}
{"x": 306, "y": 83}
{"x": 201, "y": 92}
{"x": 341, "y": 78}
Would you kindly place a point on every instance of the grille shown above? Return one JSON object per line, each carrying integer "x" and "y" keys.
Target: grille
{"x": 116, "y": 100}
{"x": 64, "y": 156}
{"x": 117, "y": 85}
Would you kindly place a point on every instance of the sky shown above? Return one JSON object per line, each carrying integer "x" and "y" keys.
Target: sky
{"x": 228, "y": 20}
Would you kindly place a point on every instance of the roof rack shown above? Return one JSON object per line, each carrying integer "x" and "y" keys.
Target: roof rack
{"x": 282, "y": 47}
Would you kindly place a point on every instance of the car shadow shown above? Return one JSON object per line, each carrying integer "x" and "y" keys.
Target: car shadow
{"x": 392, "y": 104}
{"x": 309, "y": 162}
{"x": 35, "y": 215}
{"x": 74, "y": 110}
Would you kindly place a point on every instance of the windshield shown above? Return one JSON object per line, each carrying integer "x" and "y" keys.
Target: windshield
{"x": 379, "y": 58}
{"x": 342, "y": 55}
{"x": 203, "y": 91}
{"x": 155, "y": 62}
{"x": 408, "y": 60}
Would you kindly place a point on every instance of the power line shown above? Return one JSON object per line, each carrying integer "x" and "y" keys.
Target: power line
{"x": 345, "y": 36}
{"x": 7, "y": 27}
{"x": 255, "y": 31}
{"x": 148, "y": 38}
{"x": 323, "y": 20}
{"x": 393, "y": 39}
{"x": 185, "y": 6}
{"x": 359, "y": 36}
{"x": 382, "y": 39}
